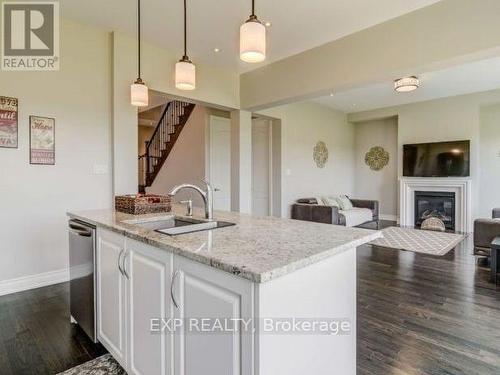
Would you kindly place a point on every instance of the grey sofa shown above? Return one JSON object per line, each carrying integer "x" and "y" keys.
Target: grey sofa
{"x": 485, "y": 230}
{"x": 308, "y": 209}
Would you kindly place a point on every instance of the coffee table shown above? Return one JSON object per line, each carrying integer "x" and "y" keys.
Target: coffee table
{"x": 495, "y": 259}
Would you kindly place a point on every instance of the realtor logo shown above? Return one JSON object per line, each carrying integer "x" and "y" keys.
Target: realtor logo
{"x": 30, "y": 35}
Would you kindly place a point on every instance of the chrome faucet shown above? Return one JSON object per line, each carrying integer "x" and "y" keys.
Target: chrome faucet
{"x": 208, "y": 196}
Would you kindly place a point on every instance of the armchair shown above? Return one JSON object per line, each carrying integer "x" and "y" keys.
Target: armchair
{"x": 485, "y": 230}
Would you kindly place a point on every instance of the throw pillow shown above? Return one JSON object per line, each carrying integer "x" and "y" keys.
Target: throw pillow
{"x": 331, "y": 201}
{"x": 319, "y": 201}
{"x": 344, "y": 202}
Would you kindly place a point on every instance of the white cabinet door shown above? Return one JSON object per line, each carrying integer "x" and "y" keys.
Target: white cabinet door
{"x": 149, "y": 270}
{"x": 203, "y": 292}
{"x": 111, "y": 295}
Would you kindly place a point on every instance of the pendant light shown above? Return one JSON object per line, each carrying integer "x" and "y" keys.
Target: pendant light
{"x": 185, "y": 70}
{"x": 138, "y": 90}
{"x": 253, "y": 39}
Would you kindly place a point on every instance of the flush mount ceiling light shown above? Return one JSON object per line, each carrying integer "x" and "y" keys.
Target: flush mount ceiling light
{"x": 139, "y": 95}
{"x": 253, "y": 39}
{"x": 185, "y": 70}
{"x": 406, "y": 84}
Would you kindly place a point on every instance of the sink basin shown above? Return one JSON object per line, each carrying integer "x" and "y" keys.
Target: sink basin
{"x": 175, "y": 225}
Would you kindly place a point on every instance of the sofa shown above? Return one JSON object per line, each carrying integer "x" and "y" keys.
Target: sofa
{"x": 485, "y": 230}
{"x": 312, "y": 209}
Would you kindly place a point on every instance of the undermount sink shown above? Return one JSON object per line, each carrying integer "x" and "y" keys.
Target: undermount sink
{"x": 175, "y": 225}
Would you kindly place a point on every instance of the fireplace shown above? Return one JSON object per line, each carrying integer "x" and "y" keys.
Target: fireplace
{"x": 438, "y": 204}
{"x": 461, "y": 187}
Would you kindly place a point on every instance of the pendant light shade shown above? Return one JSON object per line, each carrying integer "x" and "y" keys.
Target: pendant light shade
{"x": 185, "y": 75}
{"x": 139, "y": 93}
{"x": 185, "y": 70}
{"x": 253, "y": 39}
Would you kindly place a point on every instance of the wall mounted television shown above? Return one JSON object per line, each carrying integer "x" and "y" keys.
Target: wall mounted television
{"x": 439, "y": 159}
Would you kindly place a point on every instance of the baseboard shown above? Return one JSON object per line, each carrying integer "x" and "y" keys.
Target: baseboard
{"x": 388, "y": 217}
{"x": 33, "y": 281}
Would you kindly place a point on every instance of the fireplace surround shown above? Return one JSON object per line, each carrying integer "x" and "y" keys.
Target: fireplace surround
{"x": 462, "y": 187}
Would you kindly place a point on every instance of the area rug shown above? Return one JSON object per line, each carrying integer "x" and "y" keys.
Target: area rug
{"x": 104, "y": 365}
{"x": 418, "y": 241}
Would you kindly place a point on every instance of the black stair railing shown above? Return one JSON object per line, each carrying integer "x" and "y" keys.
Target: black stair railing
{"x": 173, "y": 119}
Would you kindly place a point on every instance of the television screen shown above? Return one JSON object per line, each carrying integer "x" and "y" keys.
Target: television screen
{"x": 440, "y": 159}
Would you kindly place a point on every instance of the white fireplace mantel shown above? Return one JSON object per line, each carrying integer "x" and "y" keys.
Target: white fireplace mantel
{"x": 460, "y": 186}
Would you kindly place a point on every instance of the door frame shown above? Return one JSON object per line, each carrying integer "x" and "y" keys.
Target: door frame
{"x": 208, "y": 149}
{"x": 270, "y": 203}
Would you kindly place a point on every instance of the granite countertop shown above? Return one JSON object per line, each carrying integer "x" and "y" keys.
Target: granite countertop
{"x": 256, "y": 248}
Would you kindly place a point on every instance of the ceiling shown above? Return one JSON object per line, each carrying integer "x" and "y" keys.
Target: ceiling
{"x": 478, "y": 76}
{"x": 296, "y": 26}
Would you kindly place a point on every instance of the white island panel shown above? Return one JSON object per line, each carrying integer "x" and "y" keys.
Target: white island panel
{"x": 323, "y": 292}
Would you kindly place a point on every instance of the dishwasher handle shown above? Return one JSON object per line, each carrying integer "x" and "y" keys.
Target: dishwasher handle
{"x": 80, "y": 229}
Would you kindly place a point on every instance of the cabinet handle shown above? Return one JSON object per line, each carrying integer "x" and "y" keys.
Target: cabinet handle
{"x": 120, "y": 263}
{"x": 172, "y": 286}
{"x": 125, "y": 273}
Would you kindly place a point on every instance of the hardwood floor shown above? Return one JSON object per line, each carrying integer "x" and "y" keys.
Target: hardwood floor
{"x": 422, "y": 314}
{"x": 417, "y": 314}
{"x": 36, "y": 336}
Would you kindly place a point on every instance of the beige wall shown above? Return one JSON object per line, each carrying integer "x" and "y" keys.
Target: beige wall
{"x": 379, "y": 185}
{"x": 489, "y": 173}
{"x": 33, "y": 222}
{"x": 302, "y": 126}
{"x": 448, "y": 119}
{"x": 144, "y": 135}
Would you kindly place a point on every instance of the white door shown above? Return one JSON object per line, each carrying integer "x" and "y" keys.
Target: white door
{"x": 261, "y": 151}
{"x": 111, "y": 295}
{"x": 204, "y": 292}
{"x": 149, "y": 271}
{"x": 220, "y": 161}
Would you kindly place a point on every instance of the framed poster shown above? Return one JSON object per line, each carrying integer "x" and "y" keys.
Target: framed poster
{"x": 8, "y": 122}
{"x": 42, "y": 140}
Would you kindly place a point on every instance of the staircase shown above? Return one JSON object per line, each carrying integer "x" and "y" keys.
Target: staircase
{"x": 170, "y": 125}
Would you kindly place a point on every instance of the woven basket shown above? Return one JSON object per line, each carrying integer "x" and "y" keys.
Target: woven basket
{"x": 143, "y": 204}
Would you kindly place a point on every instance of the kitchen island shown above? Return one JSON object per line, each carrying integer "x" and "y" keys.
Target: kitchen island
{"x": 265, "y": 296}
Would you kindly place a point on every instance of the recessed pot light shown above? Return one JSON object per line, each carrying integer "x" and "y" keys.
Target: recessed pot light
{"x": 268, "y": 24}
{"x": 216, "y": 50}
{"x": 406, "y": 84}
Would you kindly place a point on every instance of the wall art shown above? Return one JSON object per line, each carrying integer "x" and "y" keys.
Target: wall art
{"x": 8, "y": 122}
{"x": 377, "y": 158}
{"x": 42, "y": 140}
{"x": 320, "y": 154}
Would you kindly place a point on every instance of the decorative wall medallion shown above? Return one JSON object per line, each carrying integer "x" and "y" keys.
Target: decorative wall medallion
{"x": 377, "y": 158}
{"x": 320, "y": 154}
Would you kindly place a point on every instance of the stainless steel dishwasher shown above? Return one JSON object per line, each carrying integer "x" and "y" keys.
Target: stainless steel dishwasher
{"x": 82, "y": 286}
